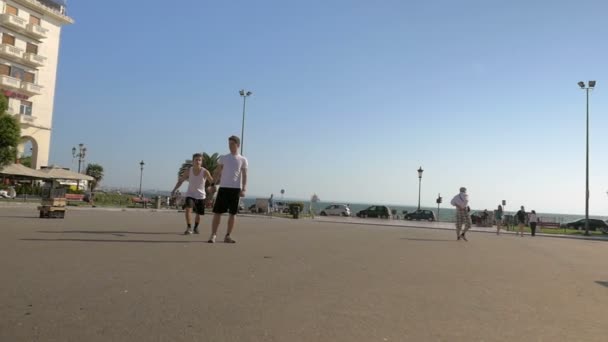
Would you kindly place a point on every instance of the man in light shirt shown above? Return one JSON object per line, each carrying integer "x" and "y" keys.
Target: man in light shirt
{"x": 461, "y": 202}
{"x": 231, "y": 174}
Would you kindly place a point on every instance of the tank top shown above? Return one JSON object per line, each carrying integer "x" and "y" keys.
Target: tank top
{"x": 196, "y": 184}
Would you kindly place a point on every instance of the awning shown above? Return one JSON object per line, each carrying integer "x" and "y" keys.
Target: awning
{"x": 59, "y": 173}
{"x": 22, "y": 171}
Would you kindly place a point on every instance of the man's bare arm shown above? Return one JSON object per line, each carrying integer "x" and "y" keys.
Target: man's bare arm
{"x": 217, "y": 174}
{"x": 181, "y": 180}
{"x": 208, "y": 176}
{"x": 244, "y": 175}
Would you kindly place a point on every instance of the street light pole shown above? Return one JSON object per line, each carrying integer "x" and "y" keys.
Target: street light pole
{"x": 141, "y": 176}
{"x": 589, "y": 86}
{"x": 81, "y": 154}
{"x": 420, "y": 171}
{"x": 439, "y": 200}
{"x": 244, "y": 94}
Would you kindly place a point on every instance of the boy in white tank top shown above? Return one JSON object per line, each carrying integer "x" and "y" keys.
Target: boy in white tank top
{"x": 195, "y": 196}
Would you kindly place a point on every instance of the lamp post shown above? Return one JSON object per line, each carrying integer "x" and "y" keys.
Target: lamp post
{"x": 439, "y": 200}
{"x": 244, "y": 94}
{"x": 420, "y": 171}
{"x": 79, "y": 153}
{"x": 141, "y": 176}
{"x": 587, "y": 87}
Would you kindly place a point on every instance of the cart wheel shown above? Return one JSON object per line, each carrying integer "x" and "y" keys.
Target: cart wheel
{"x": 62, "y": 214}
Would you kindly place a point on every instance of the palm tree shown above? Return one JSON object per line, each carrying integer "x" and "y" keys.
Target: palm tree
{"x": 210, "y": 162}
{"x": 95, "y": 171}
{"x": 185, "y": 166}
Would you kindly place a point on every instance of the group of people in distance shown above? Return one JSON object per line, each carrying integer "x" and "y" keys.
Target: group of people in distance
{"x": 461, "y": 202}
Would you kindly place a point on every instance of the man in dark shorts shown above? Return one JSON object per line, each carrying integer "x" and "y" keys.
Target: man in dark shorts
{"x": 231, "y": 174}
{"x": 521, "y": 220}
{"x": 196, "y": 176}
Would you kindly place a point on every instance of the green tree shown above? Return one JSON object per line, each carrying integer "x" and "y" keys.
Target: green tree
{"x": 26, "y": 161}
{"x": 10, "y": 132}
{"x": 95, "y": 171}
{"x": 210, "y": 162}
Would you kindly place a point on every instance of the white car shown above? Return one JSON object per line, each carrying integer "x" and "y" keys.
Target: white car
{"x": 336, "y": 210}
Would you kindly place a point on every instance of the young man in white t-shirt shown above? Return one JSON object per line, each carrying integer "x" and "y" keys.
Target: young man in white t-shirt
{"x": 231, "y": 174}
{"x": 196, "y": 176}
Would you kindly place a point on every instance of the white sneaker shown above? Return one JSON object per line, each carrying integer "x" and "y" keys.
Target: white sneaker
{"x": 211, "y": 239}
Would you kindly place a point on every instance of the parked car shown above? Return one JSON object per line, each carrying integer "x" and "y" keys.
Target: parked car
{"x": 418, "y": 215}
{"x": 594, "y": 224}
{"x": 336, "y": 210}
{"x": 379, "y": 211}
{"x": 281, "y": 207}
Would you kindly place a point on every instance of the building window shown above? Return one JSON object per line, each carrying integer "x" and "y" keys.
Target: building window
{"x": 17, "y": 72}
{"x": 5, "y": 70}
{"x": 34, "y": 20}
{"x": 25, "y": 108}
{"x": 28, "y": 77}
{"x": 11, "y": 10}
{"x": 8, "y": 39}
{"x": 31, "y": 48}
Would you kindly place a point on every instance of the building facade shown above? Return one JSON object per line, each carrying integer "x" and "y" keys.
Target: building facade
{"x": 30, "y": 31}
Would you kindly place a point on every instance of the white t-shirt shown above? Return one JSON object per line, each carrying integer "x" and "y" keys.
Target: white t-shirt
{"x": 532, "y": 218}
{"x": 196, "y": 184}
{"x": 460, "y": 201}
{"x": 233, "y": 166}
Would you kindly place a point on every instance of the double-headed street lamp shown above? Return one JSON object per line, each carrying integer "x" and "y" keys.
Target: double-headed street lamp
{"x": 587, "y": 87}
{"x": 420, "y": 171}
{"x": 244, "y": 94}
{"x": 79, "y": 153}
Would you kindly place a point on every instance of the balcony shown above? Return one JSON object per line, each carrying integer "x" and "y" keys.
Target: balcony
{"x": 11, "y": 52}
{"x": 52, "y": 8}
{"x": 10, "y": 82}
{"x": 36, "y": 31}
{"x": 24, "y": 119}
{"x": 29, "y": 121}
{"x": 33, "y": 59}
{"x": 13, "y": 21}
{"x": 30, "y": 89}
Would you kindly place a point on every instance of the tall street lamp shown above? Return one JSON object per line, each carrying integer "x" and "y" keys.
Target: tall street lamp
{"x": 79, "y": 153}
{"x": 244, "y": 94}
{"x": 587, "y": 87}
{"x": 420, "y": 171}
{"x": 141, "y": 176}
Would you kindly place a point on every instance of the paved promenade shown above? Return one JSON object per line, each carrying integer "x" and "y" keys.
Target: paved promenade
{"x": 102, "y": 275}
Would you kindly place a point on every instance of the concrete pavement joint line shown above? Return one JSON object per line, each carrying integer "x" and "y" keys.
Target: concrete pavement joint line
{"x": 559, "y": 236}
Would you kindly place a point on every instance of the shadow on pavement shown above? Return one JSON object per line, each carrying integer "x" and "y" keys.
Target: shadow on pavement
{"x": 428, "y": 240}
{"x": 109, "y": 232}
{"x": 119, "y": 241}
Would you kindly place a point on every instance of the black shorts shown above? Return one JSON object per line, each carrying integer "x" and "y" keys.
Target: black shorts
{"x": 197, "y": 205}
{"x": 227, "y": 201}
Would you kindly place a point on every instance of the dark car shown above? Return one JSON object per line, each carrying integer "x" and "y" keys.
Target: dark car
{"x": 418, "y": 215}
{"x": 594, "y": 224}
{"x": 379, "y": 211}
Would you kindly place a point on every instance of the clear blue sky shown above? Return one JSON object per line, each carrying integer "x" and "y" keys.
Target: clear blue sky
{"x": 350, "y": 97}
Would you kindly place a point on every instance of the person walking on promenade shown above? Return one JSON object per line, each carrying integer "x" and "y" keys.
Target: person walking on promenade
{"x": 533, "y": 219}
{"x": 498, "y": 213}
{"x": 521, "y": 220}
{"x": 196, "y": 176}
{"x": 231, "y": 174}
{"x": 461, "y": 202}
